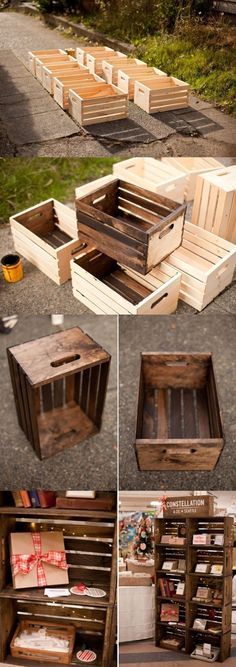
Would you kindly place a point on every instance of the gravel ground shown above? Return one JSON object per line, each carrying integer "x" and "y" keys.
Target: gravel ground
{"x": 217, "y": 334}
{"x": 91, "y": 464}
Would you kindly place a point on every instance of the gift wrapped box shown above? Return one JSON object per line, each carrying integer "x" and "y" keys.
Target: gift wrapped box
{"x": 38, "y": 559}
{"x": 170, "y": 612}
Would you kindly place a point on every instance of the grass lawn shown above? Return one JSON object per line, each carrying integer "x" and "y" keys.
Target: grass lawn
{"x": 25, "y": 182}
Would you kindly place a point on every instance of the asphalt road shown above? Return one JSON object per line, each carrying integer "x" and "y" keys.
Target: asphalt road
{"x": 91, "y": 464}
{"x": 199, "y": 130}
{"x": 216, "y": 334}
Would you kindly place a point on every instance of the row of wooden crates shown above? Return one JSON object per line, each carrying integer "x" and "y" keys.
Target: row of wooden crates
{"x": 108, "y": 249}
{"x": 96, "y": 84}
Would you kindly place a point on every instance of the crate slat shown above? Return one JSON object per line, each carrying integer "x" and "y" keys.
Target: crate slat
{"x": 214, "y": 207}
{"x": 191, "y": 167}
{"x": 161, "y": 93}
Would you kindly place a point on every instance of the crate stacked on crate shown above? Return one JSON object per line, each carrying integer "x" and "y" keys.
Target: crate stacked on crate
{"x": 193, "y": 606}
{"x": 214, "y": 206}
{"x": 178, "y": 418}
{"x": 90, "y": 547}
{"x": 59, "y": 385}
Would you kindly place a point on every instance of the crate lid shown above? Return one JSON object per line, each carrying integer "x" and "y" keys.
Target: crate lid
{"x": 63, "y": 353}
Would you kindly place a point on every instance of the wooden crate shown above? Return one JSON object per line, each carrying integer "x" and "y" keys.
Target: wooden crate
{"x": 133, "y": 225}
{"x": 207, "y": 265}
{"x": 214, "y": 205}
{"x": 107, "y": 288}
{"x": 128, "y": 76}
{"x": 32, "y": 55}
{"x": 161, "y": 93}
{"x": 54, "y": 70}
{"x": 192, "y": 166}
{"x": 82, "y": 52}
{"x": 112, "y": 66}
{"x": 178, "y": 419}
{"x": 64, "y": 82}
{"x": 57, "y": 630}
{"x": 48, "y": 60}
{"x": 153, "y": 175}
{"x": 47, "y": 235}
{"x": 94, "y": 61}
{"x": 63, "y": 379}
{"x": 97, "y": 103}
{"x": 90, "y": 538}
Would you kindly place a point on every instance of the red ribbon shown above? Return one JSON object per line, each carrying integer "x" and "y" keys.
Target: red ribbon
{"x": 25, "y": 563}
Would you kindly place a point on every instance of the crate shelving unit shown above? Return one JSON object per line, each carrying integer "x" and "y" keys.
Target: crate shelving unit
{"x": 90, "y": 543}
{"x": 215, "y": 611}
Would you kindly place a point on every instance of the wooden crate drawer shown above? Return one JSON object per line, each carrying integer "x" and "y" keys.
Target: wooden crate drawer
{"x": 97, "y": 103}
{"x": 128, "y": 77}
{"x": 63, "y": 380}
{"x": 57, "y": 630}
{"x": 134, "y": 226}
{"x": 94, "y": 61}
{"x": 161, "y": 93}
{"x": 65, "y": 82}
{"x": 178, "y": 420}
{"x": 55, "y": 70}
{"x": 152, "y": 175}
{"x": 107, "y": 288}
{"x": 112, "y": 66}
{"x": 82, "y": 52}
{"x": 214, "y": 205}
{"x": 32, "y": 55}
{"x": 47, "y": 236}
{"x": 207, "y": 265}
{"x": 191, "y": 167}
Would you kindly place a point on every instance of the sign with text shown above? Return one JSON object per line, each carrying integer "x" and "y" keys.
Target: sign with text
{"x": 189, "y": 506}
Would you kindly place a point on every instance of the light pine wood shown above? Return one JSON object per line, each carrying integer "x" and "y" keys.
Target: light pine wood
{"x": 94, "y": 61}
{"x": 214, "y": 207}
{"x": 81, "y": 52}
{"x": 129, "y": 75}
{"x": 160, "y": 93}
{"x": 97, "y": 104}
{"x": 111, "y": 67}
{"x": 32, "y": 55}
{"x": 206, "y": 262}
{"x": 153, "y": 175}
{"x": 191, "y": 167}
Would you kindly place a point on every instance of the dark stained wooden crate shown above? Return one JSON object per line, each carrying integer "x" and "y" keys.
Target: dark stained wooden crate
{"x": 178, "y": 423}
{"x": 91, "y": 546}
{"x": 136, "y": 227}
{"x": 59, "y": 384}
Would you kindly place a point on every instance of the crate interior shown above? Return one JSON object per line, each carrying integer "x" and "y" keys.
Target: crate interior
{"x": 122, "y": 281}
{"x": 151, "y": 170}
{"x": 46, "y": 223}
{"x": 178, "y": 397}
{"x": 138, "y": 209}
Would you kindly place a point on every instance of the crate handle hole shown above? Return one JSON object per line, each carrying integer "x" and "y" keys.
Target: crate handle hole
{"x": 166, "y": 231}
{"x": 193, "y": 451}
{"x": 65, "y": 360}
{"x": 222, "y": 270}
{"x": 98, "y": 199}
{"x": 81, "y": 247}
{"x": 163, "y": 451}
{"x": 176, "y": 363}
{"x": 159, "y": 300}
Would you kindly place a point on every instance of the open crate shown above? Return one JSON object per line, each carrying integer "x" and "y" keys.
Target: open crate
{"x": 90, "y": 539}
{"x": 47, "y": 235}
{"x": 32, "y": 55}
{"x": 134, "y": 226}
{"x": 178, "y": 420}
{"x": 112, "y": 66}
{"x": 191, "y": 167}
{"x": 59, "y": 384}
{"x": 214, "y": 207}
{"x": 57, "y": 630}
{"x": 64, "y": 82}
{"x": 153, "y": 175}
{"x": 107, "y": 288}
{"x": 48, "y": 60}
{"x": 160, "y": 93}
{"x": 129, "y": 74}
{"x": 207, "y": 264}
{"x": 97, "y": 103}
{"x": 83, "y": 51}
{"x": 55, "y": 70}
{"x": 94, "y": 61}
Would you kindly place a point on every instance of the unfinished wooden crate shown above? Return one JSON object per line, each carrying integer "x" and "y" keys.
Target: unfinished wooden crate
{"x": 130, "y": 224}
{"x": 161, "y": 93}
{"x": 48, "y": 60}
{"x": 57, "y": 630}
{"x": 214, "y": 205}
{"x": 178, "y": 419}
{"x": 55, "y": 70}
{"x": 207, "y": 265}
{"x": 32, "y": 55}
{"x": 90, "y": 539}
{"x": 129, "y": 75}
{"x": 47, "y": 235}
{"x": 94, "y": 61}
{"x": 108, "y": 288}
{"x": 65, "y": 82}
{"x": 191, "y": 167}
{"x": 82, "y": 52}
{"x": 112, "y": 66}
{"x": 153, "y": 175}
{"x": 97, "y": 103}
{"x": 59, "y": 384}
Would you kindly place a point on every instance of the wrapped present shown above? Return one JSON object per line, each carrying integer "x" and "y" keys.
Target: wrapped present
{"x": 38, "y": 559}
{"x": 170, "y": 612}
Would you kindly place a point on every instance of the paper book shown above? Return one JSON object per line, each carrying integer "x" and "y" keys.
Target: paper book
{"x": 81, "y": 494}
